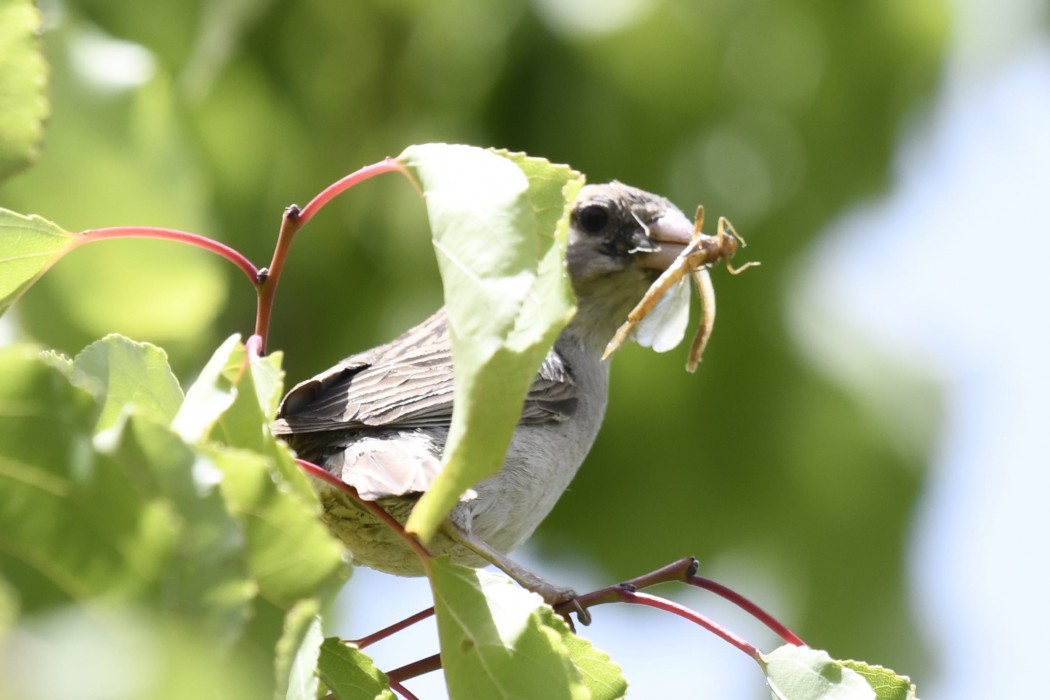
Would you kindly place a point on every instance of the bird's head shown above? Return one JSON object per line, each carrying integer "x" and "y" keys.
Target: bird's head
{"x": 620, "y": 239}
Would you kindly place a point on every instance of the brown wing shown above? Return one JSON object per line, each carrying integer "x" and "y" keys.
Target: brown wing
{"x": 407, "y": 384}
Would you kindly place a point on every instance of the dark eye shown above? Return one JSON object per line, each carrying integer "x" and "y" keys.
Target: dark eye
{"x": 593, "y": 218}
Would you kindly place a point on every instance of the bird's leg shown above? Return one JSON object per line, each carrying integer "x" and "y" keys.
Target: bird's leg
{"x": 552, "y": 594}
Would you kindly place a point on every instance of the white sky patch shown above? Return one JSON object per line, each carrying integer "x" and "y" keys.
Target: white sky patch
{"x": 108, "y": 63}
{"x": 8, "y": 331}
{"x": 947, "y": 273}
{"x": 591, "y": 17}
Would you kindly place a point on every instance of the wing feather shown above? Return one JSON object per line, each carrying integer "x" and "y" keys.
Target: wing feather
{"x": 407, "y": 384}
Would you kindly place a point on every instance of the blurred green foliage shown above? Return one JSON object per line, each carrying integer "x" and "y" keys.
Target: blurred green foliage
{"x": 777, "y": 115}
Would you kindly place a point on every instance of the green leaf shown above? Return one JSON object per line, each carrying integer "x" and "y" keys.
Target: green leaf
{"x": 801, "y": 673}
{"x": 72, "y": 524}
{"x": 8, "y": 609}
{"x": 206, "y": 575}
{"x": 213, "y": 392}
{"x": 499, "y": 228}
{"x": 350, "y": 674}
{"x": 29, "y": 245}
{"x": 887, "y": 684}
{"x": 290, "y": 553}
{"x": 119, "y": 652}
{"x": 601, "y": 675}
{"x": 234, "y": 400}
{"x": 226, "y": 540}
{"x": 132, "y": 514}
{"x": 268, "y": 376}
{"x": 23, "y": 86}
{"x": 293, "y": 559}
{"x": 297, "y": 652}
{"x": 125, "y": 375}
{"x": 245, "y": 422}
{"x": 496, "y": 640}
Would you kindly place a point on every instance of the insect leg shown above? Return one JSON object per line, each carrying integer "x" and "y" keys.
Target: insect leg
{"x": 706, "y": 291}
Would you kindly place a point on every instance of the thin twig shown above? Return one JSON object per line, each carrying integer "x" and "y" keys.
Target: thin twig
{"x": 677, "y": 571}
{"x": 371, "y": 506}
{"x": 387, "y": 165}
{"x": 168, "y": 234}
{"x": 637, "y": 598}
{"x": 268, "y": 278}
{"x": 293, "y": 220}
{"x": 401, "y": 690}
{"x": 382, "y": 634}
{"x": 416, "y": 668}
{"x": 747, "y": 605}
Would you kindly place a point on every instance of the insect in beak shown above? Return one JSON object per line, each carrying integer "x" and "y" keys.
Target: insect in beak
{"x": 660, "y": 318}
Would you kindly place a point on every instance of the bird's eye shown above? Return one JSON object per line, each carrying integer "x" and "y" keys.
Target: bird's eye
{"x": 593, "y": 218}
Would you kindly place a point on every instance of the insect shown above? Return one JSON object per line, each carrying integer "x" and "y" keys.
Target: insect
{"x": 660, "y": 318}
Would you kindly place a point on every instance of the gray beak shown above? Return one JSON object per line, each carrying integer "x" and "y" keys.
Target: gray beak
{"x": 671, "y": 233}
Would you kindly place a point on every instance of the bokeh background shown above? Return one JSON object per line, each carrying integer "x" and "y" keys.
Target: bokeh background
{"x": 863, "y": 450}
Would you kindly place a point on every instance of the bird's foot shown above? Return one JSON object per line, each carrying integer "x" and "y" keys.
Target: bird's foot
{"x": 560, "y": 598}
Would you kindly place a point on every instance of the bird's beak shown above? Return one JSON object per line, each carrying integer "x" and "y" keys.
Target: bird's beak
{"x": 668, "y": 236}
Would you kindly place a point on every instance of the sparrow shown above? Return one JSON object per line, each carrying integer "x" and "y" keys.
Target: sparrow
{"x": 378, "y": 419}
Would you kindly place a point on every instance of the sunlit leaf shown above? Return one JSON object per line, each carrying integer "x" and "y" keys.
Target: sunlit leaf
{"x": 350, "y": 674}
{"x": 291, "y": 554}
{"x": 72, "y": 524}
{"x": 211, "y": 394}
{"x": 29, "y": 245}
{"x": 298, "y": 651}
{"x": 600, "y": 674}
{"x": 206, "y": 574}
{"x": 127, "y": 375}
{"x": 801, "y": 673}
{"x": 494, "y": 641}
{"x": 8, "y": 609}
{"x": 119, "y": 652}
{"x": 887, "y": 684}
{"x": 500, "y": 233}
{"x": 133, "y": 514}
{"x": 23, "y": 85}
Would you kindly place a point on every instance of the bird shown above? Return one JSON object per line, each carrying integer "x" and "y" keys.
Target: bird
{"x": 378, "y": 420}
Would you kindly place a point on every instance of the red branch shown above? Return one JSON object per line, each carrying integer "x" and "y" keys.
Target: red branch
{"x": 193, "y": 239}
{"x": 748, "y": 606}
{"x": 292, "y": 222}
{"x": 401, "y": 690}
{"x": 416, "y": 668}
{"x": 387, "y": 165}
{"x": 382, "y": 634}
{"x": 652, "y": 601}
{"x": 371, "y": 506}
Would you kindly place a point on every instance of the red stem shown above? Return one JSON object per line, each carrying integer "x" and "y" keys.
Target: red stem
{"x": 371, "y": 506}
{"x": 401, "y": 690}
{"x": 293, "y": 220}
{"x": 392, "y": 629}
{"x": 193, "y": 239}
{"x": 254, "y": 345}
{"x": 747, "y": 605}
{"x": 387, "y": 165}
{"x": 652, "y": 601}
{"x": 416, "y": 668}
{"x": 266, "y": 283}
